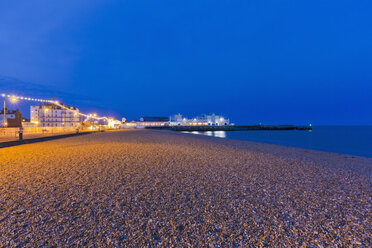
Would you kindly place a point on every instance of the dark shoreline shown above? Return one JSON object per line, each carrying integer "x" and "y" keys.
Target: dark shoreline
{"x": 234, "y": 128}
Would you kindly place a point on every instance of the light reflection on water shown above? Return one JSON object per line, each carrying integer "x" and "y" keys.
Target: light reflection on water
{"x": 219, "y": 134}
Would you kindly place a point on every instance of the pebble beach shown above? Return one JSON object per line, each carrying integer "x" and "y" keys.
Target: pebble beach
{"x": 148, "y": 188}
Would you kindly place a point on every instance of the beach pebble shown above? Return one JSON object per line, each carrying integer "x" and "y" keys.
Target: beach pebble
{"x": 158, "y": 188}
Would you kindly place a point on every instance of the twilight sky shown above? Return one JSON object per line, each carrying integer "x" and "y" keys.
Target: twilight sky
{"x": 279, "y": 62}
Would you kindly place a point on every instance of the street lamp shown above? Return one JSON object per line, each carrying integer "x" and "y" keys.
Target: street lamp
{"x": 12, "y": 99}
{"x": 3, "y": 95}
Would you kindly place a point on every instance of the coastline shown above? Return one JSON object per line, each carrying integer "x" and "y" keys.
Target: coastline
{"x": 158, "y": 188}
{"x": 352, "y": 140}
{"x": 360, "y": 164}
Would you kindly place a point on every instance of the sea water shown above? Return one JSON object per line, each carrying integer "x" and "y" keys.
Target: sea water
{"x": 353, "y": 140}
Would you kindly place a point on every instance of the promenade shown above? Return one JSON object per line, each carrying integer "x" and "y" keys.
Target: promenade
{"x": 148, "y": 188}
{"x": 31, "y": 135}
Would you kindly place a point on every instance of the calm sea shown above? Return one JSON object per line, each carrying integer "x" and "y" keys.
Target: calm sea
{"x": 354, "y": 140}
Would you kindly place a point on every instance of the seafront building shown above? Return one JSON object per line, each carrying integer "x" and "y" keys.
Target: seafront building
{"x": 51, "y": 115}
{"x": 115, "y": 124}
{"x": 177, "y": 120}
{"x": 203, "y": 120}
{"x": 130, "y": 124}
{"x": 152, "y": 121}
{"x": 13, "y": 118}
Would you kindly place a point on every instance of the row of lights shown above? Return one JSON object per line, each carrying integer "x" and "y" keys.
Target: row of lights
{"x": 14, "y": 98}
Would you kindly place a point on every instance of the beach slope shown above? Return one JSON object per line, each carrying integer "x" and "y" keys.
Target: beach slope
{"x": 160, "y": 188}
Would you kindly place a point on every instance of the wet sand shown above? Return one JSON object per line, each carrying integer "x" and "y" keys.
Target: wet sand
{"x": 159, "y": 188}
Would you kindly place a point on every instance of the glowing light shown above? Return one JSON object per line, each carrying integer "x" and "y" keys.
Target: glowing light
{"x": 220, "y": 134}
{"x": 76, "y": 112}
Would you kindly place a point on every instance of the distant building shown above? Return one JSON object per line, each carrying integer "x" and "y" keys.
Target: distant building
{"x": 204, "y": 120}
{"x": 130, "y": 124}
{"x": 154, "y": 121}
{"x": 51, "y": 115}
{"x": 178, "y": 120}
{"x": 114, "y": 124}
{"x": 213, "y": 120}
{"x": 13, "y": 118}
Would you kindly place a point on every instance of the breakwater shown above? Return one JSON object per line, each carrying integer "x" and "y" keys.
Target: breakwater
{"x": 233, "y": 128}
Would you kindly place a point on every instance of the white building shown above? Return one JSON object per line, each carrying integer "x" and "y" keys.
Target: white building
{"x": 204, "y": 120}
{"x": 114, "y": 124}
{"x": 130, "y": 124}
{"x": 50, "y": 115}
{"x": 214, "y": 120}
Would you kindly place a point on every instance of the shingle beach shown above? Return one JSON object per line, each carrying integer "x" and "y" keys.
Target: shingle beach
{"x": 165, "y": 189}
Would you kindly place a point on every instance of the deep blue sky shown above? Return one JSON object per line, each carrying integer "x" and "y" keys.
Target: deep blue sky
{"x": 255, "y": 61}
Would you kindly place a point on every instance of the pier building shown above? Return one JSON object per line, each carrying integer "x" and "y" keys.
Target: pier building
{"x": 203, "y": 120}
